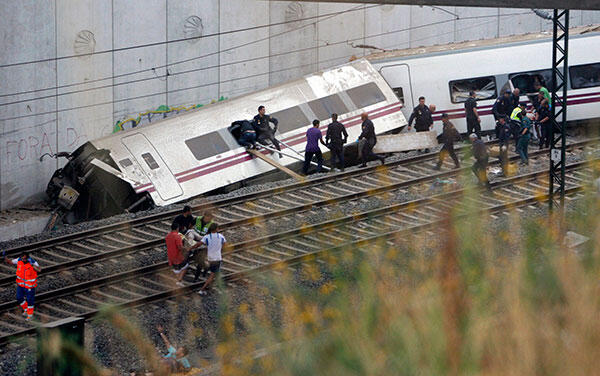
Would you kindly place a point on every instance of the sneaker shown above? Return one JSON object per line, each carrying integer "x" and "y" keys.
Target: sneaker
{"x": 180, "y": 284}
{"x": 201, "y": 292}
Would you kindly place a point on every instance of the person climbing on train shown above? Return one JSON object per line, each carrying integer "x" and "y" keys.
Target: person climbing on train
{"x": 481, "y": 160}
{"x": 335, "y": 139}
{"x": 449, "y": 136}
{"x": 368, "y": 140}
{"x": 27, "y": 272}
{"x": 214, "y": 242}
{"x": 177, "y": 253}
{"x": 203, "y": 223}
{"x": 525, "y": 135}
{"x": 264, "y": 130}
{"x": 247, "y": 133}
{"x": 313, "y": 137}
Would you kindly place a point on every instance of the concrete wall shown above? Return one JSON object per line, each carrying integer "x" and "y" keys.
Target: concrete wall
{"x": 59, "y": 111}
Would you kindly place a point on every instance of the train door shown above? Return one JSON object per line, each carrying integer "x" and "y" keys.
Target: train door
{"x": 153, "y": 165}
{"x": 398, "y": 77}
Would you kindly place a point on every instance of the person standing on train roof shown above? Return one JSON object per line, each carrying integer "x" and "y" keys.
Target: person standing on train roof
{"x": 313, "y": 137}
{"x": 214, "y": 242}
{"x": 449, "y": 136}
{"x": 368, "y": 139}
{"x": 27, "y": 272}
{"x": 265, "y": 133}
{"x": 185, "y": 217}
{"x": 335, "y": 139}
{"x": 177, "y": 253}
{"x": 473, "y": 120}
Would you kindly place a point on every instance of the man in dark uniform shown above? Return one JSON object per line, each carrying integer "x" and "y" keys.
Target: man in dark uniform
{"x": 247, "y": 133}
{"x": 422, "y": 116}
{"x": 504, "y": 133}
{"x": 369, "y": 139}
{"x": 544, "y": 119}
{"x": 502, "y": 106}
{"x": 335, "y": 139}
{"x": 261, "y": 124}
{"x": 473, "y": 120}
{"x": 449, "y": 136}
{"x": 481, "y": 160}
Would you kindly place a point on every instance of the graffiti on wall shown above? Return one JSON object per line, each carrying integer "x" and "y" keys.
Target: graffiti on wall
{"x": 161, "y": 112}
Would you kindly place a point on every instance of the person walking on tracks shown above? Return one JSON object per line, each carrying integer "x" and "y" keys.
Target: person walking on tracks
{"x": 203, "y": 223}
{"x": 27, "y": 272}
{"x": 449, "y": 136}
{"x": 367, "y": 141}
{"x": 261, "y": 124}
{"x": 473, "y": 120}
{"x": 313, "y": 137}
{"x": 335, "y": 139}
{"x": 214, "y": 242}
{"x": 481, "y": 160}
{"x": 177, "y": 253}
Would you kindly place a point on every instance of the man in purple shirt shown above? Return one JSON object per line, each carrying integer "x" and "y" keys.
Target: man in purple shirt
{"x": 313, "y": 136}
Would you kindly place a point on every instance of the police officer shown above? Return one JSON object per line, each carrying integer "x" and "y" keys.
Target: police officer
{"x": 247, "y": 133}
{"x": 27, "y": 271}
{"x": 368, "y": 139}
{"x": 502, "y": 106}
{"x": 481, "y": 160}
{"x": 335, "y": 139}
{"x": 449, "y": 136}
{"x": 423, "y": 117}
{"x": 544, "y": 120}
{"x": 473, "y": 120}
{"x": 261, "y": 124}
{"x": 203, "y": 223}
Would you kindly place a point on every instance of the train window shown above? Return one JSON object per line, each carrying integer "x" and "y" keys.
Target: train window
{"x": 290, "y": 119}
{"x": 366, "y": 95}
{"x": 150, "y": 161}
{"x": 125, "y": 162}
{"x": 484, "y": 88}
{"x": 583, "y": 76}
{"x": 207, "y": 145}
{"x": 399, "y": 93}
{"x": 324, "y": 107}
{"x": 525, "y": 81}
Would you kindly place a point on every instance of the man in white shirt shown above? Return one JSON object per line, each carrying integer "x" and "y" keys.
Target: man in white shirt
{"x": 214, "y": 243}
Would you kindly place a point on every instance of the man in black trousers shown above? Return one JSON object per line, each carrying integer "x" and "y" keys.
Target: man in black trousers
{"x": 369, "y": 140}
{"x": 335, "y": 139}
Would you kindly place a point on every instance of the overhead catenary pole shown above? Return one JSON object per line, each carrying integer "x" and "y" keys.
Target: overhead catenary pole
{"x": 560, "y": 69}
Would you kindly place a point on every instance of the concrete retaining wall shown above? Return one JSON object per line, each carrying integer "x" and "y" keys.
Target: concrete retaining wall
{"x": 199, "y": 71}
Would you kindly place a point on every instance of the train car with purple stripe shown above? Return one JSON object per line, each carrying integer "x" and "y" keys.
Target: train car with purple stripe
{"x": 445, "y": 74}
{"x": 182, "y": 157}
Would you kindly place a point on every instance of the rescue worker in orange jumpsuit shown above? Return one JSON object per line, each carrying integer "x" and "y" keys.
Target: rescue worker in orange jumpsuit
{"x": 27, "y": 271}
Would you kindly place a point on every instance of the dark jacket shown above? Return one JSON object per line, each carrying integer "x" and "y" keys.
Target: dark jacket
{"x": 470, "y": 104}
{"x": 480, "y": 150}
{"x": 368, "y": 132}
{"x": 449, "y": 134}
{"x": 243, "y": 126}
{"x": 422, "y": 116}
{"x": 504, "y": 132}
{"x": 502, "y": 107}
{"x": 514, "y": 101}
{"x": 335, "y": 131}
{"x": 261, "y": 124}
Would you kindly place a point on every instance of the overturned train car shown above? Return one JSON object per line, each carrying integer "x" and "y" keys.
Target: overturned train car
{"x": 194, "y": 153}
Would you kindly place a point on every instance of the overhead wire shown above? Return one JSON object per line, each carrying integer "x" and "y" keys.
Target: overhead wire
{"x": 237, "y": 62}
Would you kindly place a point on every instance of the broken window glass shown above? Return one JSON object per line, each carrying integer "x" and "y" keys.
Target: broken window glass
{"x": 526, "y": 81}
{"x": 484, "y": 88}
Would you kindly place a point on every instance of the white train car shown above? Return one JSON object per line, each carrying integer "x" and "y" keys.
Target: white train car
{"x": 193, "y": 153}
{"x": 444, "y": 75}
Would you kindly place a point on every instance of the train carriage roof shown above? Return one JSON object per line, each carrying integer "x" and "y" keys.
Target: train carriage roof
{"x": 419, "y": 52}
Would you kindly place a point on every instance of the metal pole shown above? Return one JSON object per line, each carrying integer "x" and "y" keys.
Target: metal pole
{"x": 560, "y": 74}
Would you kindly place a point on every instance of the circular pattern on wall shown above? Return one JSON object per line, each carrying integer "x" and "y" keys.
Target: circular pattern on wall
{"x": 85, "y": 43}
{"x": 294, "y": 12}
{"x": 193, "y": 28}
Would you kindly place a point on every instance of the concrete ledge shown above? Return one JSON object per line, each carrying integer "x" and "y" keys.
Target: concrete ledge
{"x": 18, "y": 223}
{"x": 546, "y": 4}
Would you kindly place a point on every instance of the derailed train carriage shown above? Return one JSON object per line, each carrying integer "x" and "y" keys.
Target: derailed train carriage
{"x": 194, "y": 153}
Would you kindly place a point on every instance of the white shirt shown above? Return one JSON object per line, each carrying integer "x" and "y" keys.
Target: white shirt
{"x": 16, "y": 261}
{"x": 192, "y": 237}
{"x": 214, "y": 243}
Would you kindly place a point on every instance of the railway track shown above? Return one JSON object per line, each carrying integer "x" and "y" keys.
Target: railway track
{"x": 151, "y": 283}
{"x": 118, "y": 252}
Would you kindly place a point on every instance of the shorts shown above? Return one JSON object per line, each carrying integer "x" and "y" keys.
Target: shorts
{"x": 180, "y": 267}
{"x": 214, "y": 266}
